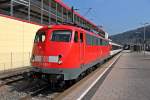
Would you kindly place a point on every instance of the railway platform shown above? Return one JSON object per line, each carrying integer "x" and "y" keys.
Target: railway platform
{"x": 127, "y": 79}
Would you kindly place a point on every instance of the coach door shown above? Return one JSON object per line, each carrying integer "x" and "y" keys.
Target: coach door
{"x": 81, "y": 48}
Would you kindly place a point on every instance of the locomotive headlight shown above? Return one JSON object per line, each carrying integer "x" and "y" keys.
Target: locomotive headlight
{"x": 59, "y": 62}
{"x": 59, "y": 59}
{"x": 59, "y": 56}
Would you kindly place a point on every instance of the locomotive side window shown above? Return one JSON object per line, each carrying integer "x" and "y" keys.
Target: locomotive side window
{"x": 92, "y": 37}
{"x": 76, "y": 37}
{"x": 95, "y": 41}
{"x": 101, "y": 42}
{"x": 88, "y": 39}
{"x": 105, "y": 42}
{"x": 61, "y": 36}
{"x": 40, "y": 36}
{"x": 81, "y": 37}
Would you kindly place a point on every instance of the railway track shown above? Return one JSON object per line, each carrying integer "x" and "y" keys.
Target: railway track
{"x": 10, "y": 79}
{"x": 35, "y": 90}
{"x": 59, "y": 94}
{"x": 12, "y": 76}
{"x": 42, "y": 90}
{"x": 31, "y": 90}
{"x": 35, "y": 93}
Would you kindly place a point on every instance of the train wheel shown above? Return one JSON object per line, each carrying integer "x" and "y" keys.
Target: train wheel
{"x": 62, "y": 84}
{"x": 27, "y": 76}
{"x": 66, "y": 84}
{"x": 98, "y": 65}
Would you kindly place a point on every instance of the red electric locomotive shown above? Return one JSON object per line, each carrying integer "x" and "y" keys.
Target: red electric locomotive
{"x": 65, "y": 52}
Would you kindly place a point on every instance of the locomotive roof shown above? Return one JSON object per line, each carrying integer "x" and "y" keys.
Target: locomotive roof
{"x": 71, "y": 27}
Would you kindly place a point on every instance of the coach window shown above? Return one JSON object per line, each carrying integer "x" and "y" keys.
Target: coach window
{"x": 81, "y": 37}
{"x": 76, "y": 36}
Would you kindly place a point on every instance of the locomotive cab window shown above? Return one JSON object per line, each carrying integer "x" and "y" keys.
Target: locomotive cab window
{"x": 61, "y": 36}
{"x": 40, "y": 36}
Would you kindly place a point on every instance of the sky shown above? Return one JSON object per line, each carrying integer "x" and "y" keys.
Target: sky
{"x": 116, "y": 16}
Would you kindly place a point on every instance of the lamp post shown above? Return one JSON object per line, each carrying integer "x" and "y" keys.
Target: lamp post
{"x": 139, "y": 41}
{"x": 144, "y": 35}
{"x": 72, "y": 11}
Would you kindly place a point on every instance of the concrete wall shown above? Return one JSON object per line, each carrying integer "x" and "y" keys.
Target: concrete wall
{"x": 16, "y": 40}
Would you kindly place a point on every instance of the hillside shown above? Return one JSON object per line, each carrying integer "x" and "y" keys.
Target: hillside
{"x": 132, "y": 36}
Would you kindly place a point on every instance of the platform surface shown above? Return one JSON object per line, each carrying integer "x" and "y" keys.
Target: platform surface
{"x": 129, "y": 79}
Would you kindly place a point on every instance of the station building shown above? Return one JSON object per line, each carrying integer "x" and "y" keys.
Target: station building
{"x": 19, "y": 21}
